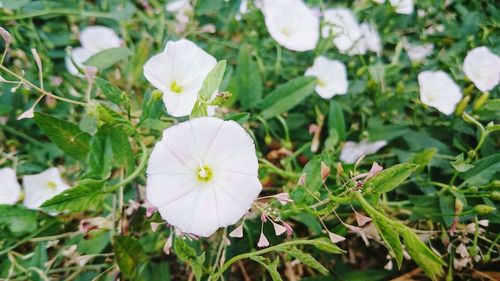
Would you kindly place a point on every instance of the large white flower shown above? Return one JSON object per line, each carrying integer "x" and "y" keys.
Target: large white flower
{"x": 438, "y": 90}
{"x": 292, "y": 24}
{"x": 10, "y": 190}
{"x": 179, "y": 72}
{"x": 418, "y": 52}
{"x": 343, "y": 24}
{"x": 483, "y": 68}
{"x": 371, "y": 38}
{"x": 332, "y": 77}
{"x": 203, "y": 175}
{"x": 94, "y": 39}
{"x": 404, "y": 7}
{"x": 42, "y": 187}
{"x": 352, "y": 151}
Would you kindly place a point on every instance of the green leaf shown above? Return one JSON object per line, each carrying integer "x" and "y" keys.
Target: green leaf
{"x": 240, "y": 118}
{"x": 86, "y": 194}
{"x": 188, "y": 255}
{"x": 336, "y": 120}
{"x": 389, "y": 179}
{"x": 484, "y": 170}
{"x": 120, "y": 146}
{"x": 18, "y": 220}
{"x": 308, "y": 260}
{"x": 129, "y": 255}
{"x": 247, "y": 80}
{"x": 272, "y": 267}
{"x": 113, "y": 94}
{"x": 431, "y": 264}
{"x": 287, "y": 96}
{"x": 67, "y": 136}
{"x": 424, "y": 157}
{"x": 212, "y": 81}
{"x": 14, "y": 4}
{"x": 325, "y": 245}
{"x": 460, "y": 165}
{"x": 99, "y": 163}
{"x": 199, "y": 110}
{"x": 107, "y": 58}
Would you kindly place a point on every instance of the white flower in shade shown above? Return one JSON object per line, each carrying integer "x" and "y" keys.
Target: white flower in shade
{"x": 179, "y": 72}
{"x": 483, "y": 68}
{"x": 203, "y": 175}
{"x": 292, "y": 24}
{"x": 352, "y": 151}
{"x": 10, "y": 190}
{"x": 404, "y": 7}
{"x": 177, "y": 5}
{"x": 348, "y": 36}
{"x": 438, "y": 90}
{"x": 371, "y": 38}
{"x": 94, "y": 39}
{"x": 332, "y": 77}
{"x": 42, "y": 187}
{"x": 418, "y": 52}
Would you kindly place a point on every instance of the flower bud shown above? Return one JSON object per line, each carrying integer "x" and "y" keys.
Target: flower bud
{"x": 462, "y": 105}
{"x": 471, "y": 154}
{"x": 495, "y": 196}
{"x": 6, "y": 36}
{"x": 483, "y": 209}
{"x": 157, "y": 95}
{"x": 480, "y": 101}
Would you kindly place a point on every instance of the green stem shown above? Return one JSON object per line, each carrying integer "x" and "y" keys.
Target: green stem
{"x": 57, "y": 11}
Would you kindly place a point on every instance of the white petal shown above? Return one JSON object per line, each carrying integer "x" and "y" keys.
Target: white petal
{"x": 344, "y": 26}
{"x": 418, "y": 52}
{"x": 99, "y": 38}
{"x": 352, "y": 151}
{"x": 164, "y": 189}
{"x": 79, "y": 55}
{"x": 332, "y": 77}
{"x": 163, "y": 161}
{"x": 178, "y": 213}
{"x": 292, "y": 24}
{"x": 42, "y": 187}
{"x": 404, "y": 7}
{"x": 10, "y": 190}
{"x": 371, "y": 38}
{"x": 204, "y": 219}
{"x": 482, "y": 67}
{"x": 243, "y": 189}
{"x": 438, "y": 90}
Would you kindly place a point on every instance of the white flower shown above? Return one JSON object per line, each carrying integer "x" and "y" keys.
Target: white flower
{"x": 483, "y": 68}
{"x": 9, "y": 187}
{"x": 332, "y": 77}
{"x": 94, "y": 39}
{"x": 404, "y": 7}
{"x": 418, "y": 52}
{"x": 42, "y": 187}
{"x": 203, "y": 175}
{"x": 438, "y": 90}
{"x": 371, "y": 38}
{"x": 348, "y": 36}
{"x": 177, "y": 5}
{"x": 179, "y": 72}
{"x": 352, "y": 151}
{"x": 292, "y": 24}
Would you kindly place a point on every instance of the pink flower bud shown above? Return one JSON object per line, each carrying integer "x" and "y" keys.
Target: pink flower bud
{"x": 154, "y": 226}
{"x": 263, "y": 242}
{"x": 376, "y": 168}
{"x": 168, "y": 245}
{"x": 278, "y": 229}
{"x": 352, "y": 227}
{"x": 237, "y": 232}
{"x": 289, "y": 229}
{"x": 150, "y": 211}
{"x": 6, "y": 36}
{"x": 362, "y": 219}
{"x": 283, "y": 198}
{"x": 335, "y": 238}
{"x": 325, "y": 171}
{"x": 263, "y": 217}
{"x": 302, "y": 179}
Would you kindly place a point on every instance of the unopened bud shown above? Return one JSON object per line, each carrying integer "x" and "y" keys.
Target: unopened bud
{"x": 495, "y": 196}
{"x": 7, "y": 38}
{"x": 462, "y": 105}
{"x": 480, "y": 101}
{"x": 471, "y": 154}
{"x": 483, "y": 209}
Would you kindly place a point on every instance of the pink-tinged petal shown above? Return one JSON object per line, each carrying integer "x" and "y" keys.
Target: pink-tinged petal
{"x": 237, "y": 232}
{"x": 362, "y": 219}
{"x": 164, "y": 189}
{"x": 168, "y": 245}
{"x": 263, "y": 217}
{"x": 302, "y": 179}
{"x": 289, "y": 229}
{"x": 178, "y": 212}
{"x": 335, "y": 238}
{"x": 325, "y": 171}
{"x": 279, "y": 229}
{"x": 204, "y": 218}
{"x": 283, "y": 198}
{"x": 375, "y": 169}
{"x": 263, "y": 242}
{"x": 352, "y": 227}
{"x": 154, "y": 226}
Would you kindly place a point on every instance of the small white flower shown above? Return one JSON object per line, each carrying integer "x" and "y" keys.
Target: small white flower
{"x": 404, "y": 7}
{"x": 203, "y": 175}
{"x": 438, "y": 90}
{"x": 10, "y": 190}
{"x": 483, "y": 68}
{"x": 94, "y": 39}
{"x": 177, "y": 5}
{"x": 179, "y": 72}
{"x": 418, "y": 52}
{"x": 42, "y": 187}
{"x": 348, "y": 36}
{"x": 292, "y": 24}
{"x": 372, "y": 38}
{"x": 352, "y": 151}
{"x": 332, "y": 77}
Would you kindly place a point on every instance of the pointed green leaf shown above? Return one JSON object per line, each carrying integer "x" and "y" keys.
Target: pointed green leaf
{"x": 308, "y": 260}
{"x": 129, "y": 255}
{"x": 212, "y": 81}
{"x": 107, "y": 58}
{"x": 248, "y": 83}
{"x": 86, "y": 194}
{"x": 389, "y": 179}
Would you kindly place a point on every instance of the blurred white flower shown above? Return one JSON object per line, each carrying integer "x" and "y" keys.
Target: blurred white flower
{"x": 438, "y": 90}
{"x": 292, "y": 24}
{"x": 482, "y": 67}
{"x": 404, "y": 7}
{"x": 10, "y": 190}
{"x": 177, "y": 5}
{"x": 94, "y": 39}
{"x": 418, "y": 52}
{"x": 352, "y": 151}
{"x": 182, "y": 9}
{"x": 243, "y": 9}
{"x": 42, "y": 187}
{"x": 348, "y": 36}
{"x": 332, "y": 77}
{"x": 179, "y": 72}
{"x": 203, "y": 175}
{"x": 371, "y": 38}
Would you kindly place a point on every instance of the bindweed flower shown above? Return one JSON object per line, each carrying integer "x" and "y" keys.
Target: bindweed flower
{"x": 177, "y": 5}
{"x": 352, "y": 151}
{"x": 179, "y": 72}
{"x": 263, "y": 242}
{"x": 42, "y": 187}
{"x": 94, "y": 39}
{"x": 10, "y": 190}
{"x": 332, "y": 77}
{"x": 347, "y": 33}
{"x": 482, "y": 67}
{"x": 203, "y": 175}
{"x": 404, "y": 7}
{"x": 438, "y": 90}
{"x": 417, "y": 52}
{"x": 335, "y": 238}
{"x": 292, "y": 24}
{"x": 371, "y": 38}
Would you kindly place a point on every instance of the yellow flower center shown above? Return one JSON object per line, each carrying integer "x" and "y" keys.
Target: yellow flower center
{"x": 176, "y": 88}
{"x": 321, "y": 83}
{"x": 204, "y": 174}
{"x": 52, "y": 185}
